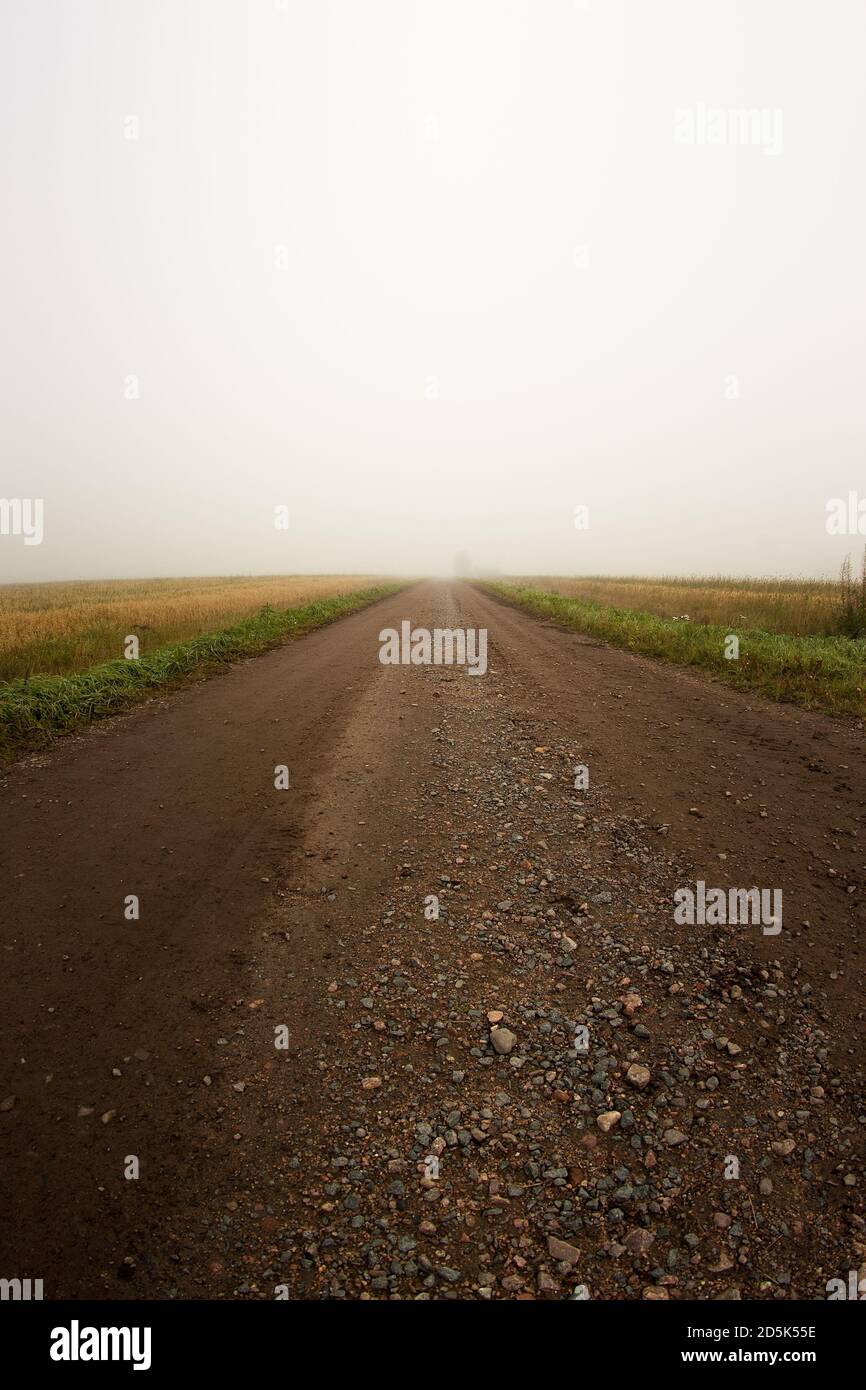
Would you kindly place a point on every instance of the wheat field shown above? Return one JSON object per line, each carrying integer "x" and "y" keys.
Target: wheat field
{"x": 55, "y": 629}
{"x": 798, "y": 607}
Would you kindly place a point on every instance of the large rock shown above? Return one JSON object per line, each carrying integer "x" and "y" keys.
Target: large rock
{"x": 561, "y": 1250}
{"x": 607, "y": 1121}
{"x": 503, "y": 1040}
{"x": 638, "y": 1076}
{"x": 638, "y": 1240}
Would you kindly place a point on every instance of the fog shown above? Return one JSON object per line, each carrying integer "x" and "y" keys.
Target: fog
{"x": 430, "y": 276}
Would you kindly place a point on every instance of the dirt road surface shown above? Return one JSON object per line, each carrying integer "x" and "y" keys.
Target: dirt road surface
{"x": 702, "y": 1137}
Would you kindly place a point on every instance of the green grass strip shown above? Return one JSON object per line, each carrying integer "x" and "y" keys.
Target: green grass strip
{"x": 35, "y": 710}
{"x": 818, "y": 672}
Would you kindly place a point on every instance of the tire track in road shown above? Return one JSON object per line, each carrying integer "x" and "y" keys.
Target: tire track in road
{"x": 175, "y": 803}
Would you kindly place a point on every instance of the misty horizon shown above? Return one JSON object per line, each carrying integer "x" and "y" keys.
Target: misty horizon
{"x": 430, "y": 278}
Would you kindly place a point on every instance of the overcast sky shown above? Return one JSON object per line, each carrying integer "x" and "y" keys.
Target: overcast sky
{"x": 431, "y": 276}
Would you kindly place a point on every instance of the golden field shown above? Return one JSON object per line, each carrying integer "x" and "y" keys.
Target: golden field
{"x": 54, "y": 629}
{"x": 799, "y": 607}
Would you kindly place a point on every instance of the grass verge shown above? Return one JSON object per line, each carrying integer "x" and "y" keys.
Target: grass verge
{"x": 34, "y": 711}
{"x": 818, "y": 672}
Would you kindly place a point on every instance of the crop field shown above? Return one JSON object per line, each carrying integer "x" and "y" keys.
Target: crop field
{"x": 799, "y": 607}
{"x": 55, "y": 629}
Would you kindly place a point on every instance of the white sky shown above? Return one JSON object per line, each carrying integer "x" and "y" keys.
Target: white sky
{"x": 430, "y": 169}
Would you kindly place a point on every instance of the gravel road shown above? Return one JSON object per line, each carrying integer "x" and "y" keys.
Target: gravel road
{"x": 550, "y": 1089}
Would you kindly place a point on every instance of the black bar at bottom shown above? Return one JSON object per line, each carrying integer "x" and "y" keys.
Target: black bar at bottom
{"x": 239, "y": 1339}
